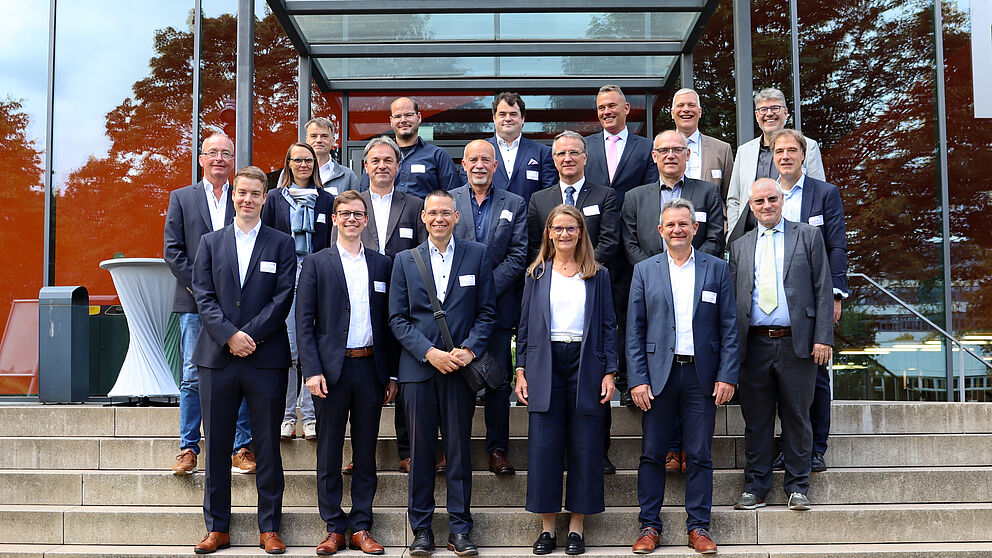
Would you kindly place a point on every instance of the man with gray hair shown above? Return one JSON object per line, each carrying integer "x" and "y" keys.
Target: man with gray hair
{"x": 754, "y": 158}
{"x": 335, "y": 178}
{"x": 710, "y": 159}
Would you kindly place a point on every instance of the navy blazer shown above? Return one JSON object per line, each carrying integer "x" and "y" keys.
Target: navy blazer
{"x": 533, "y": 169}
{"x": 635, "y": 167}
{"x": 275, "y": 214}
{"x": 470, "y": 308}
{"x": 651, "y": 324}
{"x": 404, "y": 228}
{"x": 323, "y": 313}
{"x": 187, "y": 220}
{"x": 597, "y": 357}
{"x": 599, "y": 207}
{"x": 259, "y": 308}
{"x": 821, "y": 208}
{"x": 506, "y": 245}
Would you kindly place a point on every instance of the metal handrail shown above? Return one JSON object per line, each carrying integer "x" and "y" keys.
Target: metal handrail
{"x": 939, "y": 329}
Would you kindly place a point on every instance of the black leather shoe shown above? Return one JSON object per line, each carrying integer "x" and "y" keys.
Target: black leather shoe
{"x": 608, "y": 467}
{"x": 574, "y": 544}
{"x": 460, "y": 544}
{"x": 778, "y": 464}
{"x": 546, "y": 543}
{"x": 816, "y": 463}
{"x": 423, "y": 542}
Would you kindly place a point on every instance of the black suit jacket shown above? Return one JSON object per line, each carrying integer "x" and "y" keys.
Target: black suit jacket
{"x": 275, "y": 214}
{"x": 259, "y": 307}
{"x": 533, "y": 169}
{"x": 602, "y": 214}
{"x": 323, "y": 313}
{"x": 635, "y": 167}
{"x": 642, "y": 210}
{"x": 187, "y": 220}
{"x": 404, "y": 229}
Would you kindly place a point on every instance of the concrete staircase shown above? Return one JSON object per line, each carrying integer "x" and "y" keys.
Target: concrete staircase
{"x": 905, "y": 479}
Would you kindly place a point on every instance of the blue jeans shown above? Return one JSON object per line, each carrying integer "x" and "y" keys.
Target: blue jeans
{"x": 295, "y": 396}
{"x": 189, "y": 392}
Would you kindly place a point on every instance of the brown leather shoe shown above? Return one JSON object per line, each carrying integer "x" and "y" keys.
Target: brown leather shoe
{"x": 185, "y": 463}
{"x": 363, "y": 541}
{"x": 682, "y": 459}
{"x": 214, "y": 541}
{"x": 700, "y": 540}
{"x": 243, "y": 462}
{"x": 442, "y": 466}
{"x": 271, "y": 542}
{"x": 647, "y": 542}
{"x": 404, "y": 466}
{"x": 499, "y": 464}
{"x": 332, "y": 543}
{"x": 347, "y": 469}
{"x": 673, "y": 462}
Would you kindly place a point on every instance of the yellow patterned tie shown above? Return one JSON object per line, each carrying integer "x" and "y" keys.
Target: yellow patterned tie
{"x": 767, "y": 283}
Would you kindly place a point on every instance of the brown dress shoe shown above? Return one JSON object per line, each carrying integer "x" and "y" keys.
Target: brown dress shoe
{"x": 243, "y": 462}
{"x": 673, "y": 462}
{"x": 185, "y": 463}
{"x": 404, "y": 466}
{"x": 700, "y": 540}
{"x": 271, "y": 542}
{"x": 442, "y": 466}
{"x": 499, "y": 464}
{"x": 682, "y": 459}
{"x": 332, "y": 543}
{"x": 647, "y": 542}
{"x": 214, "y": 541}
{"x": 347, "y": 469}
{"x": 363, "y": 541}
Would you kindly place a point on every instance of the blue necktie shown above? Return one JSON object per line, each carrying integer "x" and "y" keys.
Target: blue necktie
{"x": 569, "y": 198}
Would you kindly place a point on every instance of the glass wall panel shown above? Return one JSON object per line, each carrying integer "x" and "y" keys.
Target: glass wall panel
{"x": 23, "y": 85}
{"x": 497, "y": 66}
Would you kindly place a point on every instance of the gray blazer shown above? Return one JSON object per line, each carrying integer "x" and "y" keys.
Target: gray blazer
{"x": 808, "y": 290}
{"x": 642, "y": 209}
{"x": 717, "y": 164}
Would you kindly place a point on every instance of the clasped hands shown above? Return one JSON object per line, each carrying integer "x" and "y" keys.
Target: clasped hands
{"x": 241, "y": 344}
{"x": 449, "y": 361}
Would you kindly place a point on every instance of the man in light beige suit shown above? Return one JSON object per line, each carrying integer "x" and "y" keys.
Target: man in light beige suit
{"x": 710, "y": 159}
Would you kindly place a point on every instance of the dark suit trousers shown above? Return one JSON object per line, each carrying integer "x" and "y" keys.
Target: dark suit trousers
{"x": 559, "y": 432}
{"x": 819, "y": 412}
{"x": 497, "y": 400}
{"x": 444, "y": 401}
{"x": 402, "y": 432}
{"x": 773, "y": 376}
{"x": 358, "y": 394}
{"x": 221, "y": 392}
{"x": 681, "y": 396}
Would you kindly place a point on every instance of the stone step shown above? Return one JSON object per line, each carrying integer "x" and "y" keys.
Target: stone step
{"x": 302, "y": 526}
{"x": 848, "y": 417}
{"x": 909, "y": 450}
{"x": 159, "y": 488}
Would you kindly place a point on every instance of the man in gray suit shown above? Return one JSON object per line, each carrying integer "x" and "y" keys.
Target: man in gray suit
{"x": 785, "y": 318}
{"x": 710, "y": 159}
{"x": 498, "y": 219}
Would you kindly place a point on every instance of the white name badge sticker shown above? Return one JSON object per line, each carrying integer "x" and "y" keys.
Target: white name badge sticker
{"x": 717, "y": 173}
{"x": 590, "y": 210}
{"x": 379, "y": 286}
{"x": 816, "y": 220}
{"x": 466, "y": 280}
{"x": 532, "y": 175}
{"x": 333, "y": 190}
{"x": 709, "y": 296}
{"x": 420, "y": 169}
{"x": 701, "y": 216}
{"x": 321, "y": 218}
{"x": 506, "y": 214}
{"x": 406, "y": 232}
{"x": 267, "y": 267}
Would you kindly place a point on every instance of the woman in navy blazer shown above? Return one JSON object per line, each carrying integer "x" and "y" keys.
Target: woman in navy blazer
{"x": 566, "y": 358}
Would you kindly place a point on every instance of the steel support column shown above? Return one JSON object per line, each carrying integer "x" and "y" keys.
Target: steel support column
{"x": 48, "y": 263}
{"x": 685, "y": 67}
{"x": 742, "y": 70}
{"x": 244, "y": 99}
{"x": 945, "y": 202}
{"x": 304, "y": 90}
{"x": 797, "y": 104}
{"x": 197, "y": 97}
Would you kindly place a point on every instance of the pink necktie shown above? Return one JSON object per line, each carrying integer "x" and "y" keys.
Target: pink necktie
{"x": 611, "y": 155}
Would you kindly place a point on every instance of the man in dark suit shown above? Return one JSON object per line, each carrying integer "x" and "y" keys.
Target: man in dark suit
{"x": 710, "y": 159}
{"x": 194, "y": 211}
{"x": 524, "y": 166}
{"x": 683, "y": 356}
{"x": 348, "y": 354}
{"x": 496, "y": 218}
{"x": 432, "y": 383}
{"x": 785, "y": 319}
{"x": 243, "y": 281}
{"x": 817, "y": 203}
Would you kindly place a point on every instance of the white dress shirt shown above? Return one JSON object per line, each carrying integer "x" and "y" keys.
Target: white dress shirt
{"x": 508, "y": 151}
{"x": 792, "y": 201}
{"x": 217, "y": 207}
{"x": 441, "y": 266}
{"x": 381, "y": 206}
{"x": 245, "y": 243}
{"x": 694, "y": 166}
{"x": 568, "y": 304}
{"x": 620, "y": 142}
{"x": 324, "y": 173}
{"x": 683, "y": 291}
{"x": 577, "y": 186}
{"x": 356, "y": 275}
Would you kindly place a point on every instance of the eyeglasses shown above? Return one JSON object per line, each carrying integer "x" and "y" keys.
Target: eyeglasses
{"x": 774, "y": 109}
{"x": 213, "y": 154}
{"x": 570, "y": 229}
{"x": 572, "y": 154}
{"x": 302, "y": 160}
{"x": 446, "y": 214}
{"x": 406, "y": 115}
{"x": 666, "y": 150}
{"x": 345, "y": 214}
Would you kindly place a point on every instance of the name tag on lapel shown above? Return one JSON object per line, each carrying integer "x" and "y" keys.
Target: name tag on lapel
{"x": 532, "y": 174}
{"x": 590, "y": 210}
{"x": 701, "y": 216}
{"x": 506, "y": 214}
{"x": 717, "y": 173}
{"x": 379, "y": 286}
{"x": 816, "y": 220}
{"x": 267, "y": 267}
{"x": 322, "y": 218}
{"x": 709, "y": 296}
{"x": 419, "y": 169}
{"x": 466, "y": 280}
{"x": 406, "y": 232}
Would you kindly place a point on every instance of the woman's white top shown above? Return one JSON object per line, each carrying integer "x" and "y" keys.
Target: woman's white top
{"x": 568, "y": 304}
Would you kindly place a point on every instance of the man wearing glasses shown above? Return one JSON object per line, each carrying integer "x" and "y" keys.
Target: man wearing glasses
{"x": 754, "y": 158}
{"x": 423, "y": 167}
